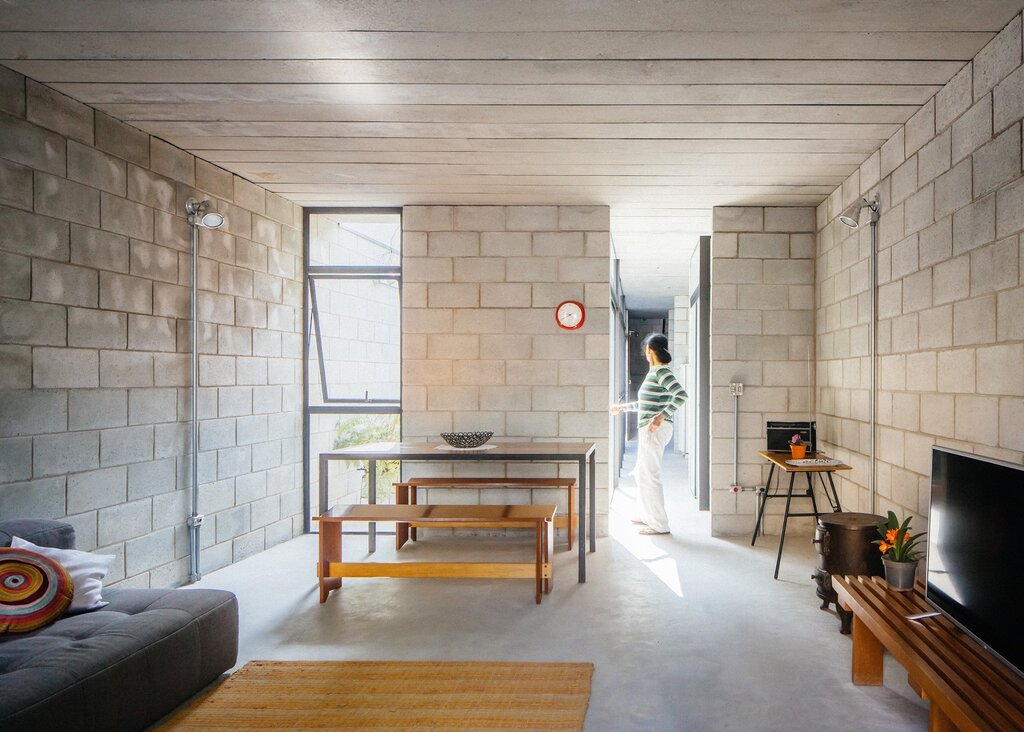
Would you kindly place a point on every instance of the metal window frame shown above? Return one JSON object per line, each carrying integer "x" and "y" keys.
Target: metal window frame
{"x": 311, "y": 319}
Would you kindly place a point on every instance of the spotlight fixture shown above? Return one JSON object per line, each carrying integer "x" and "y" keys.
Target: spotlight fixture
{"x": 199, "y": 214}
{"x": 851, "y": 216}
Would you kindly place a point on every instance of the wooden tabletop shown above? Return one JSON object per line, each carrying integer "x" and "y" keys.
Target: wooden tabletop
{"x": 780, "y": 458}
{"x": 443, "y": 451}
{"x": 423, "y": 513}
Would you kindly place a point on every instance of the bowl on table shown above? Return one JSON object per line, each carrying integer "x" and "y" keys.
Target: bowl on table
{"x": 466, "y": 439}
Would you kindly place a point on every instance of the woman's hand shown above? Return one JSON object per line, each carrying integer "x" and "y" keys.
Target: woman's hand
{"x": 655, "y": 422}
{"x": 616, "y": 408}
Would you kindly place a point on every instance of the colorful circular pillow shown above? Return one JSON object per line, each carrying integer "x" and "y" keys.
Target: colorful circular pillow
{"x": 34, "y": 590}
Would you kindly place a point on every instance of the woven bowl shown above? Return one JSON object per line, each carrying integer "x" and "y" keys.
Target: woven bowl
{"x": 466, "y": 439}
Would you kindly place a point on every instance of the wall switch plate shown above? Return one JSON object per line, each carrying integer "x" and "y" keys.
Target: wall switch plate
{"x": 736, "y": 388}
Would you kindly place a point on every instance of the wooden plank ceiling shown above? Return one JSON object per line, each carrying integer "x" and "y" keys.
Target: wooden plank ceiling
{"x": 660, "y": 109}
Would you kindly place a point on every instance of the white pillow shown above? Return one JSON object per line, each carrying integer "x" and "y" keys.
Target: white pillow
{"x": 87, "y": 572}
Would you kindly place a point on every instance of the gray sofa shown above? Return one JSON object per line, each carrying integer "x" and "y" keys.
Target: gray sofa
{"x": 122, "y": 667}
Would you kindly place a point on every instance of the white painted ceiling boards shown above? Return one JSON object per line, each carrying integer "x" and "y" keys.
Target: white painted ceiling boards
{"x": 660, "y": 109}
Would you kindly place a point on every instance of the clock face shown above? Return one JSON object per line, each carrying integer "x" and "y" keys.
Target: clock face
{"x": 570, "y": 314}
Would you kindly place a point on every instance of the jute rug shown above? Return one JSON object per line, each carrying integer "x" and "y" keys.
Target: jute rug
{"x": 394, "y": 695}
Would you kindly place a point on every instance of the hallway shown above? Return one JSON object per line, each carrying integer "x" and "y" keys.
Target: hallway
{"x": 687, "y": 632}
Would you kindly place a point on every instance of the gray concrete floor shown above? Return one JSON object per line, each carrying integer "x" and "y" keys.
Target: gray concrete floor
{"x": 686, "y": 632}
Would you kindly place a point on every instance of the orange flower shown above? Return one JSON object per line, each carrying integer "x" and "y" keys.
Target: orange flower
{"x": 883, "y": 547}
{"x": 906, "y": 537}
{"x": 890, "y": 535}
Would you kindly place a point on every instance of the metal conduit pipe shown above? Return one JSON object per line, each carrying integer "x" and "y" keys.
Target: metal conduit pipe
{"x": 851, "y": 217}
{"x": 199, "y": 216}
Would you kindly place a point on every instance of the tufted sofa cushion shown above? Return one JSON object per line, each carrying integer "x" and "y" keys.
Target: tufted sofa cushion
{"x": 122, "y": 667}
{"x": 119, "y": 668}
{"x": 42, "y": 532}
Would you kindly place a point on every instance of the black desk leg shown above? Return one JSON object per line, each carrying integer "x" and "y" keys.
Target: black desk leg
{"x": 785, "y": 519}
{"x": 763, "y": 500}
{"x": 582, "y": 508}
{"x": 372, "y": 526}
{"x": 836, "y": 505}
{"x": 810, "y": 492}
{"x": 593, "y": 501}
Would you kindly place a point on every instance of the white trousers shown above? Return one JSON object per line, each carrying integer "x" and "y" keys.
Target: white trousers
{"x": 651, "y": 498}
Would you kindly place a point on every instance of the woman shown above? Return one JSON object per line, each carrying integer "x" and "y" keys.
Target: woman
{"x": 657, "y": 401}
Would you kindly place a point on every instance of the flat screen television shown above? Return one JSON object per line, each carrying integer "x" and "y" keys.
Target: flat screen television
{"x": 976, "y": 549}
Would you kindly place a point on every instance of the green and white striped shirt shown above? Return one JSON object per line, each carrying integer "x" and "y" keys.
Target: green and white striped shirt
{"x": 661, "y": 393}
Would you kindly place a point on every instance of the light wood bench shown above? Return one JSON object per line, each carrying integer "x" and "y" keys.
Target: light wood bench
{"x": 968, "y": 687}
{"x": 406, "y": 493}
{"x": 331, "y": 569}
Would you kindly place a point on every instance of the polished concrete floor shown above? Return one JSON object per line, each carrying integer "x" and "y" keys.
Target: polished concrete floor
{"x": 686, "y": 632}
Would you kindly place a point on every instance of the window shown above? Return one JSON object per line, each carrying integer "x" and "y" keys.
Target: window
{"x": 353, "y": 349}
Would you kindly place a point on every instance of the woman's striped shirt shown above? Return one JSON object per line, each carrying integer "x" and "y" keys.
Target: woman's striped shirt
{"x": 661, "y": 393}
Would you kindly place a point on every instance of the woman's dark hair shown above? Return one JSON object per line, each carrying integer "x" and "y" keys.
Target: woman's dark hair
{"x": 659, "y": 344}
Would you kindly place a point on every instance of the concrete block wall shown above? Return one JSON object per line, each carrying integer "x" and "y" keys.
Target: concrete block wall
{"x": 94, "y": 366}
{"x": 950, "y": 289}
{"x": 481, "y": 349}
{"x": 762, "y": 334}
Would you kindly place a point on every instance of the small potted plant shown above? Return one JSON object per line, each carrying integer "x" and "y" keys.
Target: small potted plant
{"x": 899, "y": 555}
{"x": 797, "y": 447}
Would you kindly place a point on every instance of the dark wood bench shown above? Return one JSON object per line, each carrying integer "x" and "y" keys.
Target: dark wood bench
{"x": 968, "y": 687}
{"x": 331, "y": 569}
{"x": 406, "y": 493}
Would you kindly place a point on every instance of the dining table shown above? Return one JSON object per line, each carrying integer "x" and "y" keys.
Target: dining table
{"x": 582, "y": 454}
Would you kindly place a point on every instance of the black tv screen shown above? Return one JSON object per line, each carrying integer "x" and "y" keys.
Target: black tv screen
{"x": 975, "y": 548}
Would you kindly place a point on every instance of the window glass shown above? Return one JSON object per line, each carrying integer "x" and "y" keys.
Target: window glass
{"x": 359, "y": 239}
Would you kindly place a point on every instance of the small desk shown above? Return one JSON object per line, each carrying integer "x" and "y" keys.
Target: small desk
{"x": 778, "y": 460}
{"x": 583, "y": 454}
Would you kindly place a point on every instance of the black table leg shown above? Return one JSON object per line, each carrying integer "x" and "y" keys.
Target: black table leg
{"x": 582, "y": 508}
{"x": 372, "y": 526}
{"x": 323, "y": 485}
{"x": 785, "y": 519}
{"x": 763, "y": 498}
{"x": 593, "y": 501}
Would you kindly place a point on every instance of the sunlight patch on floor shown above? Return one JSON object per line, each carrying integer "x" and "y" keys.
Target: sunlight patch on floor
{"x": 650, "y": 550}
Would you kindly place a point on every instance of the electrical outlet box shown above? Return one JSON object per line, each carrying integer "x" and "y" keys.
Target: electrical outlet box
{"x": 736, "y": 388}
{"x": 735, "y": 488}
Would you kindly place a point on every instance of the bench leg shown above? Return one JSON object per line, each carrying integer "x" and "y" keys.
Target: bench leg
{"x": 412, "y": 501}
{"x": 330, "y": 551}
{"x": 867, "y": 656}
{"x": 401, "y": 527}
{"x": 938, "y": 721}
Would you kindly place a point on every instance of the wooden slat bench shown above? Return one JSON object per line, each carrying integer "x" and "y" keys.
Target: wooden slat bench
{"x": 968, "y": 687}
{"x": 539, "y": 517}
{"x": 406, "y": 492}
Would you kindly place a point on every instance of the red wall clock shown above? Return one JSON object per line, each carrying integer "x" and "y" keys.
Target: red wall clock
{"x": 570, "y": 315}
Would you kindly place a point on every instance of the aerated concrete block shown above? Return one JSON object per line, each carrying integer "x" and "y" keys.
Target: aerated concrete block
{"x": 15, "y": 185}
{"x": 96, "y": 169}
{"x": 97, "y": 489}
{"x": 998, "y": 58}
{"x": 64, "y": 453}
{"x": 122, "y": 140}
{"x": 49, "y": 108}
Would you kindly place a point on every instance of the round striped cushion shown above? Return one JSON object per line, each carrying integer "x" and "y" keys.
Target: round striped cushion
{"x": 34, "y": 590}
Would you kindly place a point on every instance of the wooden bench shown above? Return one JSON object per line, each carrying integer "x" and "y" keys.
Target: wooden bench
{"x": 331, "y": 569}
{"x": 968, "y": 687}
{"x": 405, "y": 493}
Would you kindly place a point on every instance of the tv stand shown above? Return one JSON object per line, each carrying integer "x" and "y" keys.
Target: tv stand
{"x": 969, "y": 688}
